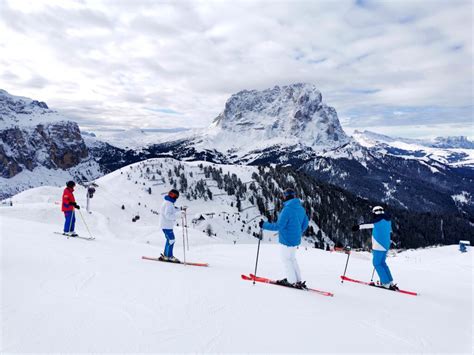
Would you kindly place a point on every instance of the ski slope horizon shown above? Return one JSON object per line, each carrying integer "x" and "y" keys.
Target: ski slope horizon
{"x": 74, "y": 295}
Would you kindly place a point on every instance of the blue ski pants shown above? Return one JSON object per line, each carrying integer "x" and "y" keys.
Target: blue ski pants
{"x": 70, "y": 221}
{"x": 381, "y": 266}
{"x": 169, "y": 234}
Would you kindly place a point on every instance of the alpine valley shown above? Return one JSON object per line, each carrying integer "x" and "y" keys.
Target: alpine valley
{"x": 426, "y": 185}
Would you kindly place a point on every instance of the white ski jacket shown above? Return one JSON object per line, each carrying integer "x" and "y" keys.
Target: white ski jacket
{"x": 168, "y": 213}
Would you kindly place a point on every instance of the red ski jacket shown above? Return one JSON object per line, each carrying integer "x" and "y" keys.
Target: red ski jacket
{"x": 68, "y": 197}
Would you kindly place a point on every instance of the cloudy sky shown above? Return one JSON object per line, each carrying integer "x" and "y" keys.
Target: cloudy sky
{"x": 397, "y": 67}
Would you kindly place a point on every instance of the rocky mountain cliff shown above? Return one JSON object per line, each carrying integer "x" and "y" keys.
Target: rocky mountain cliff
{"x": 38, "y": 145}
{"x": 52, "y": 145}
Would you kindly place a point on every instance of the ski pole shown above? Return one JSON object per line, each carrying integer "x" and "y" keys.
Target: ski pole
{"x": 347, "y": 250}
{"x": 372, "y": 278}
{"x": 258, "y": 252}
{"x": 184, "y": 241}
{"x": 84, "y": 221}
{"x": 186, "y": 228}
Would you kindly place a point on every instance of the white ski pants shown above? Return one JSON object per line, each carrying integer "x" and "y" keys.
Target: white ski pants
{"x": 288, "y": 255}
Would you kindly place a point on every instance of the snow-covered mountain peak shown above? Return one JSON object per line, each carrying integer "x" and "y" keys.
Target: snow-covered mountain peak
{"x": 23, "y": 111}
{"x": 293, "y": 114}
{"x": 453, "y": 142}
{"x": 369, "y": 139}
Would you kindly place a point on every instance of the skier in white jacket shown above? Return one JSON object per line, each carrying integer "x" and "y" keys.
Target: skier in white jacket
{"x": 168, "y": 214}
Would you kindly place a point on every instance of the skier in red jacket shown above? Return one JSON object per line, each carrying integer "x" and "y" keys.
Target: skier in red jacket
{"x": 68, "y": 206}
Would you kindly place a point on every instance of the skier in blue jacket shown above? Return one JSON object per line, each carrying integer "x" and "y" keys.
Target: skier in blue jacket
{"x": 381, "y": 228}
{"x": 291, "y": 224}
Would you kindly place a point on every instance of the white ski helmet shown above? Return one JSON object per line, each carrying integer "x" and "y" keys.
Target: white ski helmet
{"x": 377, "y": 210}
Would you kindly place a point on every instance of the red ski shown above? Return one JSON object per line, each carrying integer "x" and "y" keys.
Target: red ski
{"x": 171, "y": 262}
{"x": 273, "y": 282}
{"x": 345, "y": 278}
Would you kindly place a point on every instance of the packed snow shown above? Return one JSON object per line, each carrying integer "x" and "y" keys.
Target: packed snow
{"x": 73, "y": 295}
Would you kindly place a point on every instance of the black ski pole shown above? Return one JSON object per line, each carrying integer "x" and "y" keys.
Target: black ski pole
{"x": 258, "y": 252}
{"x": 347, "y": 250}
{"x": 372, "y": 278}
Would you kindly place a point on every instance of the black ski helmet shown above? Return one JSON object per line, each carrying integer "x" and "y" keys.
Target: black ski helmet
{"x": 173, "y": 193}
{"x": 70, "y": 184}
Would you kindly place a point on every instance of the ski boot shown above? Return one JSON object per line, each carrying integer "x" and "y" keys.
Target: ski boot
{"x": 284, "y": 282}
{"x": 300, "y": 285}
{"x": 393, "y": 287}
{"x": 173, "y": 259}
{"x": 70, "y": 234}
{"x": 163, "y": 258}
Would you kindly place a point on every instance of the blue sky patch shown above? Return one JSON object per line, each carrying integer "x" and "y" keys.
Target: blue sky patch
{"x": 168, "y": 111}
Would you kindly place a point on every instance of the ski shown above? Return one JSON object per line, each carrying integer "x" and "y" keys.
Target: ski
{"x": 77, "y": 236}
{"x": 171, "y": 262}
{"x": 273, "y": 282}
{"x": 345, "y": 278}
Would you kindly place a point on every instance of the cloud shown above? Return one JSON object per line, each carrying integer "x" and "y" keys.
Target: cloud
{"x": 36, "y": 82}
{"x": 108, "y": 62}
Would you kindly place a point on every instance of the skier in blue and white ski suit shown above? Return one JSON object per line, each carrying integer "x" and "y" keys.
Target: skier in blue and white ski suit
{"x": 291, "y": 224}
{"x": 381, "y": 228}
{"x": 168, "y": 214}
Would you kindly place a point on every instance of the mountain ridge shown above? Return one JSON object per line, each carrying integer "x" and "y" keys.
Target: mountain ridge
{"x": 284, "y": 116}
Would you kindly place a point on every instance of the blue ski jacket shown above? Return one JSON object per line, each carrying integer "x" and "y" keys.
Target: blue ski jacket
{"x": 381, "y": 232}
{"x": 291, "y": 223}
{"x": 381, "y": 228}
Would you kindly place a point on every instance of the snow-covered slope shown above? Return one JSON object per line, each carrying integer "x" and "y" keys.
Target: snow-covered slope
{"x": 452, "y": 151}
{"x": 138, "y": 190}
{"x": 227, "y": 201}
{"x": 40, "y": 176}
{"x": 70, "y": 295}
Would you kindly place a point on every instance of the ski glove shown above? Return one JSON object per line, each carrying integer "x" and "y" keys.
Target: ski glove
{"x": 355, "y": 228}
{"x": 75, "y": 205}
{"x": 260, "y": 224}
